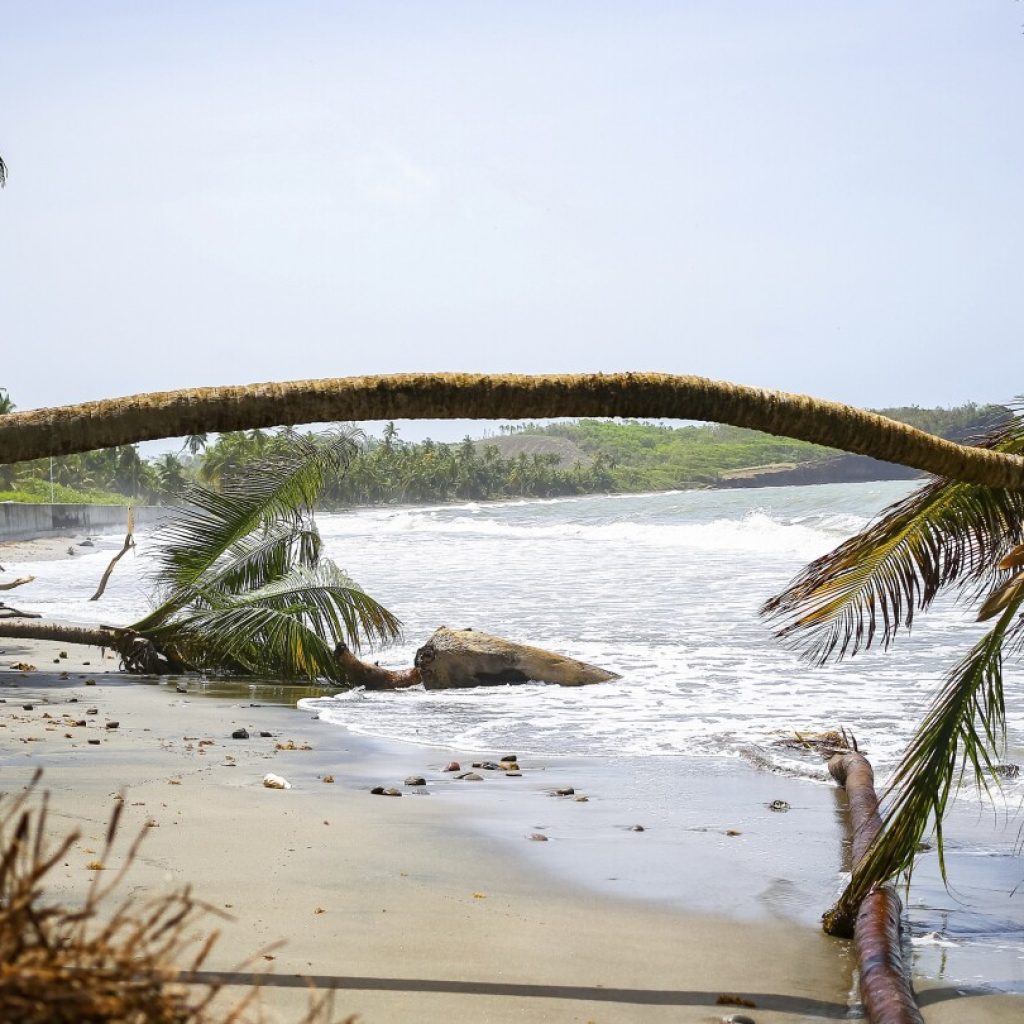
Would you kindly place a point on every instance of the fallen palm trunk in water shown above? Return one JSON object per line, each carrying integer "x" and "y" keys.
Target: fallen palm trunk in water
{"x": 460, "y": 658}
{"x": 884, "y": 987}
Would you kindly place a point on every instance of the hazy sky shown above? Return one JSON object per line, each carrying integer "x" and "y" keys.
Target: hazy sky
{"x": 823, "y": 197}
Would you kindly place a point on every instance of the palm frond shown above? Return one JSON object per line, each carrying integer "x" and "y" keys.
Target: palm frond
{"x": 284, "y": 487}
{"x": 258, "y": 640}
{"x": 947, "y": 533}
{"x": 964, "y": 728}
{"x": 249, "y": 523}
{"x": 328, "y": 601}
{"x": 268, "y": 556}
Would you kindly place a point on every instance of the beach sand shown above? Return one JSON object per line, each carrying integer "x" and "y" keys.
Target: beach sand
{"x": 395, "y": 902}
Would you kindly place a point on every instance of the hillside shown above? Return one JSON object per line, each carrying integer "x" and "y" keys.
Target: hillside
{"x": 651, "y": 456}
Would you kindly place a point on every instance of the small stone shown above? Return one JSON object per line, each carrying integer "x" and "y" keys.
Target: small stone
{"x": 478, "y": 764}
{"x": 488, "y": 766}
{"x": 72, "y": 700}
{"x": 472, "y": 777}
{"x": 113, "y": 725}
{"x": 377, "y": 791}
{"x": 514, "y": 774}
{"x": 738, "y": 1018}
{"x": 565, "y": 791}
{"x": 637, "y": 828}
{"x": 452, "y": 766}
{"x": 538, "y": 837}
{"x": 240, "y": 734}
{"x": 95, "y": 742}
{"x": 79, "y": 723}
{"x": 733, "y": 832}
{"x": 328, "y": 778}
{"x": 27, "y": 707}
{"x": 271, "y": 781}
{"x": 181, "y": 689}
{"x": 508, "y": 757}
{"x": 267, "y": 735}
{"x": 88, "y": 663}
{"x": 62, "y": 654}
{"x": 415, "y": 780}
{"x": 778, "y": 805}
{"x": 92, "y": 711}
{"x": 89, "y": 682}
{"x": 582, "y": 799}
{"x": 391, "y": 791}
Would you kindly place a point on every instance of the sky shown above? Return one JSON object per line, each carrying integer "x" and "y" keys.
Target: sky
{"x": 819, "y": 197}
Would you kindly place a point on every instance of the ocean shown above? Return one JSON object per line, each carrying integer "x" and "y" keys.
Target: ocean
{"x": 665, "y": 590}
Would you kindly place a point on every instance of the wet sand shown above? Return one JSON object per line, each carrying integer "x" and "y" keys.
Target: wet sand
{"x": 435, "y": 906}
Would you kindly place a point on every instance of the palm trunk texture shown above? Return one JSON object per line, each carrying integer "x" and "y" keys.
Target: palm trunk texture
{"x": 89, "y": 636}
{"x": 77, "y": 428}
{"x": 884, "y": 987}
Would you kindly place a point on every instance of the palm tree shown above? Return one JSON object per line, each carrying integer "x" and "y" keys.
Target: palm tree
{"x": 948, "y": 534}
{"x": 6, "y": 405}
{"x": 244, "y": 586}
{"x": 964, "y": 530}
{"x": 42, "y": 432}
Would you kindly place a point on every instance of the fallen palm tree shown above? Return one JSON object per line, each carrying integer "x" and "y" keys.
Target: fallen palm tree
{"x": 242, "y": 581}
{"x": 876, "y": 923}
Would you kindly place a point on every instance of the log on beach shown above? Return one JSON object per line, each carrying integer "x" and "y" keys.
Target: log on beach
{"x": 456, "y": 658}
{"x": 884, "y": 986}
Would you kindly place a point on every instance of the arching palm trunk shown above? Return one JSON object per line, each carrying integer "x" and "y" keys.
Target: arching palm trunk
{"x": 59, "y": 431}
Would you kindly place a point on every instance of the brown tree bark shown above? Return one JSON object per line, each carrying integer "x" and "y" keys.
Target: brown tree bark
{"x": 884, "y": 986}
{"x": 90, "y": 636}
{"x": 60, "y": 431}
{"x": 373, "y": 677}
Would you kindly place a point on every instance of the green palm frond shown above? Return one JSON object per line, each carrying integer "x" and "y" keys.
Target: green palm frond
{"x": 262, "y": 641}
{"x": 283, "y": 487}
{"x": 947, "y": 533}
{"x": 964, "y": 728}
{"x": 328, "y": 601}
{"x": 287, "y": 628}
{"x": 268, "y": 556}
{"x": 253, "y": 530}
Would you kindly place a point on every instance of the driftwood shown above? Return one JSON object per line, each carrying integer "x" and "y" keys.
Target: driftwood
{"x": 19, "y": 582}
{"x": 454, "y": 658}
{"x": 7, "y": 612}
{"x": 884, "y": 987}
{"x": 373, "y": 677}
{"x": 129, "y": 543}
{"x": 458, "y": 658}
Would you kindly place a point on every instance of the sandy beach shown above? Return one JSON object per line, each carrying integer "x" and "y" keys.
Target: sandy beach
{"x": 395, "y": 902}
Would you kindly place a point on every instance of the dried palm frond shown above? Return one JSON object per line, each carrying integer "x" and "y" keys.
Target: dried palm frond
{"x": 63, "y": 964}
{"x": 945, "y": 534}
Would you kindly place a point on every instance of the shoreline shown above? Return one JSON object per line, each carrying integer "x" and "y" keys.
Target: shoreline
{"x": 433, "y": 908}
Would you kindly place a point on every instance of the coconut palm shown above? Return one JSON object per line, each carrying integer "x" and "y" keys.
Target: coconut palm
{"x": 947, "y": 535}
{"x": 43, "y": 432}
{"x": 243, "y": 584}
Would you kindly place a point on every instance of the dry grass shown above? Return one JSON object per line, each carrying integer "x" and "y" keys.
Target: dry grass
{"x": 108, "y": 959}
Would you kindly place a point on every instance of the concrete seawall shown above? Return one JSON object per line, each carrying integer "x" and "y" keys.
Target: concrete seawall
{"x": 25, "y": 522}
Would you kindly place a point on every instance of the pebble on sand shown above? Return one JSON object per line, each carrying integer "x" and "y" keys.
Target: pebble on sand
{"x": 453, "y": 766}
{"x": 415, "y": 780}
{"x": 240, "y": 734}
{"x": 272, "y": 781}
